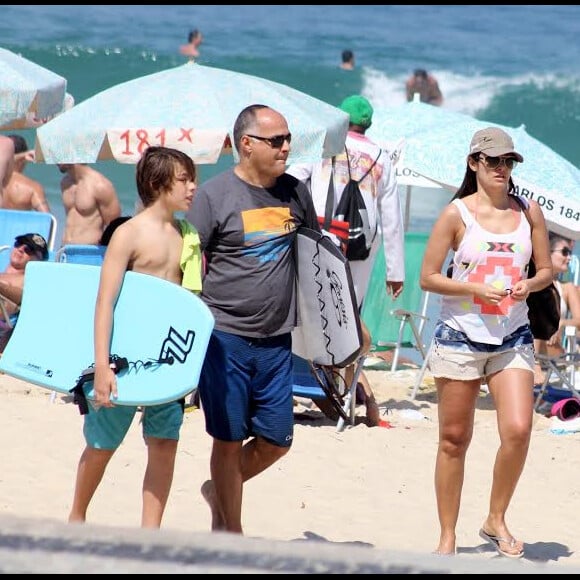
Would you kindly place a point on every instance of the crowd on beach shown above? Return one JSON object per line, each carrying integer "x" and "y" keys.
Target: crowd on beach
{"x": 238, "y": 236}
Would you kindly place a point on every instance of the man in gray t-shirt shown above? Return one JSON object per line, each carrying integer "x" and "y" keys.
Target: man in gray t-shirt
{"x": 247, "y": 219}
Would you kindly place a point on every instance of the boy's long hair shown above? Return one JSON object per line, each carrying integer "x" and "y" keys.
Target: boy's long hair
{"x": 156, "y": 171}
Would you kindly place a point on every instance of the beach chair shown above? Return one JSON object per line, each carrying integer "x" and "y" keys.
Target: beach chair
{"x": 14, "y": 222}
{"x": 326, "y": 387}
{"x": 560, "y": 370}
{"x": 7, "y": 322}
{"x": 81, "y": 254}
{"x": 398, "y": 325}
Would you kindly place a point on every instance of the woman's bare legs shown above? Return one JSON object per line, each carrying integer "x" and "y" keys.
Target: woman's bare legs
{"x": 456, "y": 410}
{"x": 512, "y": 392}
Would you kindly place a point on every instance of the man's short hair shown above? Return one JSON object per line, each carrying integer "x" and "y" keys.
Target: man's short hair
{"x": 20, "y": 144}
{"x": 347, "y": 55}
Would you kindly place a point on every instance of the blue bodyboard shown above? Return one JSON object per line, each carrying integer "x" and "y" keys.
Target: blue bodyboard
{"x": 154, "y": 320}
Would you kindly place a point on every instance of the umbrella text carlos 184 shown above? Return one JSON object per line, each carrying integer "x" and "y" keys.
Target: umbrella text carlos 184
{"x": 436, "y": 145}
{"x": 190, "y": 107}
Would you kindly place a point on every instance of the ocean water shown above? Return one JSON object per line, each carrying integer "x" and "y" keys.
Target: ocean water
{"x": 511, "y": 65}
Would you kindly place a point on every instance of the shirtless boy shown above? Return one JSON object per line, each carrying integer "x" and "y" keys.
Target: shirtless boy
{"x": 151, "y": 243}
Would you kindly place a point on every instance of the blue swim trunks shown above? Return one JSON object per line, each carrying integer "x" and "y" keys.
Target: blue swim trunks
{"x": 107, "y": 427}
{"x": 246, "y": 388}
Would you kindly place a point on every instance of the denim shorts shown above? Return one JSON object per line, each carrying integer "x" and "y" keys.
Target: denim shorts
{"x": 454, "y": 356}
{"x": 107, "y": 427}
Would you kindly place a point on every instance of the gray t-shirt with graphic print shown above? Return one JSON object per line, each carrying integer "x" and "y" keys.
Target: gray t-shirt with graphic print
{"x": 247, "y": 234}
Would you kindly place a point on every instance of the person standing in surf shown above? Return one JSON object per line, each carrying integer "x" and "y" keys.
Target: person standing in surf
{"x": 381, "y": 197}
{"x": 153, "y": 242}
{"x": 483, "y": 332}
{"x": 191, "y": 49}
{"x": 247, "y": 218}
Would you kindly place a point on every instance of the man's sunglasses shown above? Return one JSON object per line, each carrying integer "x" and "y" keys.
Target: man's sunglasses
{"x": 275, "y": 142}
{"x": 27, "y": 249}
{"x": 495, "y": 162}
{"x": 564, "y": 251}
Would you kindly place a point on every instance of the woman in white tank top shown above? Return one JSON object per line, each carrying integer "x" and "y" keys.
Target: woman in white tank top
{"x": 483, "y": 332}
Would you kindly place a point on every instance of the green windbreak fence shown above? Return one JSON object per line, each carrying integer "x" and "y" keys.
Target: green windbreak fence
{"x": 377, "y": 307}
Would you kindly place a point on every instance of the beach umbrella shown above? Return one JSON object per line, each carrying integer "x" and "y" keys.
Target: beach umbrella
{"x": 29, "y": 93}
{"x": 190, "y": 107}
{"x": 436, "y": 144}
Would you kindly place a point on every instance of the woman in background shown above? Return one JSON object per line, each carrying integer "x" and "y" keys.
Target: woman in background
{"x": 561, "y": 255}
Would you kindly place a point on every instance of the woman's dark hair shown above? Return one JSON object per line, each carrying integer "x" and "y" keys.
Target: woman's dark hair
{"x": 554, "y": 238}
{"x": 469, "y": 183}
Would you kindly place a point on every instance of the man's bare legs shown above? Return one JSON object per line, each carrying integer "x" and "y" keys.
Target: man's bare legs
{"x": 232, "y": 464}
{"x": 90, "y": 471}
{"x": 157, "y": 480}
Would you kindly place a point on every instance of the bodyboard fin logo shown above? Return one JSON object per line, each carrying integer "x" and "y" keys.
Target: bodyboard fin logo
{"x": 177, "y": 346}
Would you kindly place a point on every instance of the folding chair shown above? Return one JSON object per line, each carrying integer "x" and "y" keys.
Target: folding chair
{"x": 7, "y": 321}
{"x": 15, "y": 222}
{"x": 326, "y": 387}
{"x": 560, "y": 370}
{"x": 402, "y": 326}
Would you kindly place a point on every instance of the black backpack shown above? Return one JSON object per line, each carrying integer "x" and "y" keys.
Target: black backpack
{"x": 352, "y": 209}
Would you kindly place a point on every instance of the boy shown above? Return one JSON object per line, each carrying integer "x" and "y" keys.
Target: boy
{"x": 152, "y": 242}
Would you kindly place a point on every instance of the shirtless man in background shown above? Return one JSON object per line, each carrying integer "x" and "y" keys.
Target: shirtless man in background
{"x": 191, "y": 49}
{"x": 22, "y": 192}
{"x": 426, "y": 85}
{"x": 90, "y": 203}
{"x": 6, "y": 163}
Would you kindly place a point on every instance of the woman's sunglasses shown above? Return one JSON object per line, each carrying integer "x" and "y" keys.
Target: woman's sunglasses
{"x": 564, "y": 251}
{"x": 495, "y": 162}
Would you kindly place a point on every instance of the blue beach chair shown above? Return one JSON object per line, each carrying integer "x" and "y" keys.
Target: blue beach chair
{"x": 81, "y": 254}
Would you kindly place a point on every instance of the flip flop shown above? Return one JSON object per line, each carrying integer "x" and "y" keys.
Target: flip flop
{"x": 495, "y": 541}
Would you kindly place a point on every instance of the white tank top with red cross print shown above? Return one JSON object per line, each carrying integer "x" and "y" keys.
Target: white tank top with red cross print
{"x": 488, "y": 258}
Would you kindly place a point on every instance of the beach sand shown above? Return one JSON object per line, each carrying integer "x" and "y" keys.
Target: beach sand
{"x": 365, "y": 486}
